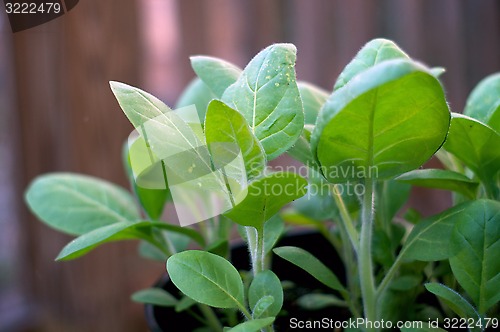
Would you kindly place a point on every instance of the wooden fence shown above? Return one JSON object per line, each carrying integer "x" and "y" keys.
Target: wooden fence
{"x": 62, "y": 116}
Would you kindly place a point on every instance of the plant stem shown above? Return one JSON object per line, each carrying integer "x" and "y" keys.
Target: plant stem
{"x": 365, "y": 264}
{"x": 256, "y": 248}
{"x": 212, "y": 319}
{"x": 345, "y": 218}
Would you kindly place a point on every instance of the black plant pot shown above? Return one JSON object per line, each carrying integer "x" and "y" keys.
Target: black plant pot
{"x": 162, "y": 319}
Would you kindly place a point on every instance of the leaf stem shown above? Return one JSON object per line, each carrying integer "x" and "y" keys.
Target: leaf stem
{"x": 256, "y": 247}
{"x": 211, "y": 318}
{"x": 345, "y": 218}
{"x": 365, "y": 264}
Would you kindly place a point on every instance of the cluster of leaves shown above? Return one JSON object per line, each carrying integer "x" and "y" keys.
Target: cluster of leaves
{"x": 387, "y": 113}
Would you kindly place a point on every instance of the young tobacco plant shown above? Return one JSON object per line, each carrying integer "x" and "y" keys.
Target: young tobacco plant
{"x": 362, "y": 146}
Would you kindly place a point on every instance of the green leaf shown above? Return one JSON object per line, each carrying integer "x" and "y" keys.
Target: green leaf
{"x": 405, "y": 283}
{"x": 216, "y": 73}
{"x": 476, "y": 145}
{"x": 319, "y": 301}
{"x": 313, "y": 98}
{"x": 266, "y": 283}
{"x": 196, "y": 93}
{"x": 483, "y": 103}
{"x": 119, "y": 231}
{"x": 149, "y": 251}
{"x": 311, "y": 265}
{"x": 152, "y": 200}
{"x": 265, "y": 197}
{"x": 475, "y": 244}
{"x": 253, "y": 325}
{"x": 391, "y": 197}
{"x": 225, "y": 125}
{"x": 156, "y": 296}
{"x": 206, "y": 278}
{"x": 429, "y": 240}
{"x": 454, "y": 300}
{"x": 267, "y": 95}
{"x": 273, "y": 229}
{"x": 261, "y": 306}
{"x": 441, "y": 179}
{"x": 76, "y": 204}
{"x": 373, "y": 53}
{"x": 390, "y": 119}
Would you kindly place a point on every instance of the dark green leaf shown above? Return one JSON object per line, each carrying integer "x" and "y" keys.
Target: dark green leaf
{"x": 216, "y": 73}
{"x": 475, "y": 244}
{"x": 267, "y": 95}
{"x": 390, "y": 119}
{"x": 454, "y": 300}
{"x": 77, "y": 204}
{"x": 206, "y": 278}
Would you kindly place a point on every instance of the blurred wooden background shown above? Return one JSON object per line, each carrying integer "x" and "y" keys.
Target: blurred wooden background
{"x": 58, "y": 113}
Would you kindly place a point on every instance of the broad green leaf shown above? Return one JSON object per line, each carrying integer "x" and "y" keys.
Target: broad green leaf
{"x": 156, "y": 296}
{"x": 483, "y": 103}
{"x": 454, "y": 300}
{"x": 196, "y": 93}
{"x": 119, "y": 231}
{"x": 311, "y": 265}
{"x": 253, "y": 325}
{"x": 475, "y": 244}
{"x": 476, "y": 145}
{"x": 390, "y": 119}
{"x": 266, "y": 283}
{"x": 76, "y": 204}
{"x": 319, "y": 301}
{"x": 429, "y": 240}
{"x": 265, "y": 197}
{"x": 225, "y": 125}
{"x": 313, "y": 99}
{"x": 267, "y": 95}
{"x": 261, "y": 306}
{"x": 441, "y": 179}
{"x": 206, "y": 278}
{"x": 373, "y": 53}
{"x": 216, "y": 73}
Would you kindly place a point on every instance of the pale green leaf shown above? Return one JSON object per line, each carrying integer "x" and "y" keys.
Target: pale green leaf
{"x": 155, "y": 296}
{"x": 374, "y": 52}
{"x": 76, "y": 204}
{"x": 441, "y": 179}
{"x": 313, "y": 99}
{"x": 253, "y": 325}
{"x": 196, "y": 93}
{"x": 216, "y": 73}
